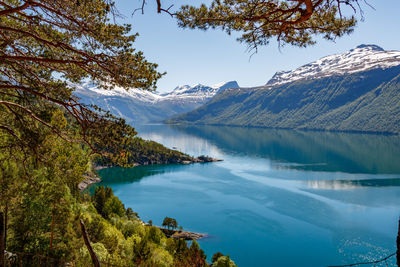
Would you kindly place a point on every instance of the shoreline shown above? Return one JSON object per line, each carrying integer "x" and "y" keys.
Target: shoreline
{"x": 177, "y": 234}
{"x": 384, "y": 133}
{"x": 199, "y": 159}
{"x": 89, "y": 180}
{"x": 181, "y": 234}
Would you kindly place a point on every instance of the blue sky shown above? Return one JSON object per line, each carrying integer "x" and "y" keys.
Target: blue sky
{"x": 210, "y": 57}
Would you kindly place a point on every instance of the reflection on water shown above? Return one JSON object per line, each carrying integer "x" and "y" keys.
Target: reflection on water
{"x": 322, "y": 198}
{"x": 129, "y": 175}
{"x": 307, "y": 150}
{"x": 353, "y": 184}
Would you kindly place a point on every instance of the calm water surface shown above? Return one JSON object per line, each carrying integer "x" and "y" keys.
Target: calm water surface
{"x": 279, "y": 198}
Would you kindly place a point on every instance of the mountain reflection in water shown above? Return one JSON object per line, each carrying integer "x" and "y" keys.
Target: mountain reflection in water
{"x": 323, "y": 198}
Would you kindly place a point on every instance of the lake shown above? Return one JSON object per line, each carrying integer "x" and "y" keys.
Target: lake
{"x": 279, "y": 198}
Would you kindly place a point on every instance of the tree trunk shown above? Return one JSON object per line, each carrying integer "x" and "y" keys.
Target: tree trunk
{"x": 398, "y": 246}
{"x": 93, "y": 255}
{"x": 2, "y": 248}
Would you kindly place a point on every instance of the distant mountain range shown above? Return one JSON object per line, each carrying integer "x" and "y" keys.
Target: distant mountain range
{"x": 355, "y": 91}
{"x": 138, "y": 106}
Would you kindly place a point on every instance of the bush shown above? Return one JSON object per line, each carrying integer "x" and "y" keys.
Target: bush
{"x": 113, "y": 207}
{"x": 155, "y": 235}
{"x": 224, "y": 261}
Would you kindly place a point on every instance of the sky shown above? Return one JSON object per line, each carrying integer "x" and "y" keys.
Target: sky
{"x": 210, "y": 57}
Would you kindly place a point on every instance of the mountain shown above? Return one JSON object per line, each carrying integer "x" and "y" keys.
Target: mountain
{"x": 138, "y": 106}
{"x": 362, "y": 58}
{"x": 355, "y": 91}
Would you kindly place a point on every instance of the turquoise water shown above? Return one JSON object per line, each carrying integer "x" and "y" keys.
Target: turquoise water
{"x": 279, "y": 198}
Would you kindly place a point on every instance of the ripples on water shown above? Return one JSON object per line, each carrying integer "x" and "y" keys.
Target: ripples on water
{"x": 279, "y": 198}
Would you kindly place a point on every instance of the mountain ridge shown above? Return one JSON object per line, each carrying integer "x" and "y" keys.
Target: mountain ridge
{"x": 362, "y": 58}
{"x": 139, "y": 106}
{"x": 366, "y": 100}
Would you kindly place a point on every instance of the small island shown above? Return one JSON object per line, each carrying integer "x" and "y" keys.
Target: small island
{"x": 171, "y": 229}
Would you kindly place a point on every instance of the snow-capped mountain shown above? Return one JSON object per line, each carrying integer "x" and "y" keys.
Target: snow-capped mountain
{"x": 91, "y": 90}
{"x": 362, "y": 58}
{"x": 355, "y": 91}
{"x": 200, "y": 90}
{"x": 139, "y": 106}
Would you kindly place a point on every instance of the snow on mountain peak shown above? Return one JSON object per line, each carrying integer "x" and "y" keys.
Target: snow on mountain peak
{"x": 198, "y": 91}
{"x": 362, "y": 58}
{"x": 136, "y": 105}
{"x": 90, "y": 89}
{"x": 202, "y": 90}
{"x": 226, "y": 85}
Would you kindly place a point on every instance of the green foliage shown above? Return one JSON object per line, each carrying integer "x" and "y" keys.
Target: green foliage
{"x": 100, "y": 197}
{"x": 41, "y": 198}
{"x": 142, "y": 152}
{"x": 224, "y": 261}
{"x": 114, "y": 207}
{"x": 131, "y": 214}
{"x": 129, "y": 229}
{"x": 48, "y": 139}
{"x": 107, "y": 204}
{"x": 291, "y": 22}
{"x": 96, "y": 228}
{"x": 170, "y": 223}
{"x": 155, "y": 235}
{"x": 185, "y": 256}
{"x": 161, "y": 257}
{"x": 100, "y": 251}
{"x": 141, "y": 252}
{"x": 194, "y": 246}
{"x": 40, "y": 192}
{"x": 219, "y": 260}
{"x": 49, "y": 45}
{"x": 216, "y": 256}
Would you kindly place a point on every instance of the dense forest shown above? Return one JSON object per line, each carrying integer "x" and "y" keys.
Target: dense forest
{"x": 144, "y": 152}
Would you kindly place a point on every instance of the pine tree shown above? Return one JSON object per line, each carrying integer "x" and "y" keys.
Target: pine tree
{"x": 46, "y": 47}
{"x": 294, "y": 22}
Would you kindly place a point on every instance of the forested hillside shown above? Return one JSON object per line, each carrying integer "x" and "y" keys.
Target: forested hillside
{"x": 366, "y": 101}
{"x": 49, "y": 141}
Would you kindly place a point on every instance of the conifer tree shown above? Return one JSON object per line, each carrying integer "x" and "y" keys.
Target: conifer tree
{"x": 294, "y": 22}
{"x": 46, "y": 46}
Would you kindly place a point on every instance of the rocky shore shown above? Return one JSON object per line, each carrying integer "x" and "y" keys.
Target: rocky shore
{"x": 205, "y": 159}
{"x": 88, "y": 181}
{"x": 188, "y": 235}
{"x": 200, "y": 159}
{"x": 182, "y": 234}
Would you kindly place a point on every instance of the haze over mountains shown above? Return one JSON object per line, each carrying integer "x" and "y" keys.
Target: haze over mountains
{"x": 358, "y": 90}
{"x": 138, "y": 106}
{"x": 355, "y": 91}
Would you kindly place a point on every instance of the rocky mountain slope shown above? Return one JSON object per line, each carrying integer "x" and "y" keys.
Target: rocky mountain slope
{"x": 355, "y": 91}
{"x": 362, "y": 58}
{"x": 138, "y": 106}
